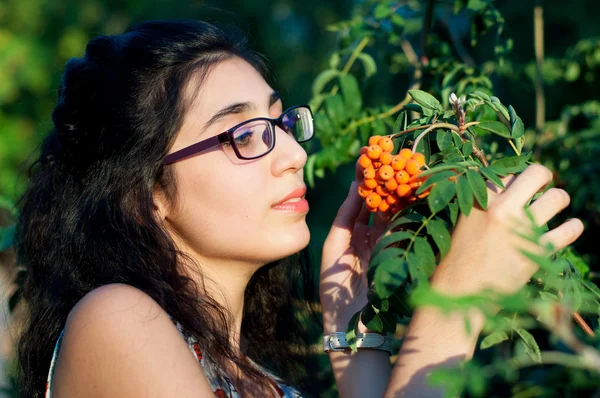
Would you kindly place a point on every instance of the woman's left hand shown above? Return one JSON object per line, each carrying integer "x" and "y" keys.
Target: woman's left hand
{"x": 345, "y": 260}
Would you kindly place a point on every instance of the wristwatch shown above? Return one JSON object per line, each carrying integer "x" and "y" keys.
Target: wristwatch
{"x": 336, "y": 341}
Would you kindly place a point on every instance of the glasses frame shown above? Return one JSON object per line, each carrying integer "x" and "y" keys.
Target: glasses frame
{"x": 227, "y": 137}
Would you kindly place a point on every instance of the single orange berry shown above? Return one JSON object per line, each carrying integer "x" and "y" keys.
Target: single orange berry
{"x": 384, "y": 206}
{"x": 370, "y": 183}
{"x": 364, "y": 191}
{"x": 406, "y": 153}
{"x": 412, "y": 167}
{"x": 398, "y": 162}
{"x": 386, "y": 144}
{"x": 403, "y": 190}
{"x": 374, "y": 140}
{"x": 392, "y": 198}
{"x": 381, "y": 191}
{"x": 374, "y": 151}
{"x": 402, "y": 177}
{"x": 363, "y": 150}
{"x": 385, "y": 172}
{"x": 419, "y": 157}
{"x": 369, "y": 172}
{"x": 373, "y": 200}
{"x": 385, "y": 158}
{"x": 364, "y": 161}
{"x": 391, "y": 184}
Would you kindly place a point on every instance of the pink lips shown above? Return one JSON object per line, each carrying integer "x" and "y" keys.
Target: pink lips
{"x": 293, "y": 202}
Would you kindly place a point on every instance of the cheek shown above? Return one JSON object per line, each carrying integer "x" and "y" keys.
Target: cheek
{"x": 224, "y": 193}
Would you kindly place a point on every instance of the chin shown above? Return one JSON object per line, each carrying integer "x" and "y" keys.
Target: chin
{"x": 289, "y": 242}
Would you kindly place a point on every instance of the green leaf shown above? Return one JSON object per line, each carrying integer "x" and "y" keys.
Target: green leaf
{"x": 413, "y": 107}
{"x": 464, "y": 193}
{"x": 334, "y": 60}
{"x": 400, "y": 302}
{"x": 442, "y": 238}
{"x": 442, "y": 175}
{"x": 425, "y": 255}
{"x": 322, "y": 79}
{"x": 389, "y": 320}
{"x": 489, "y": 173}
{"x": 310, "y": 170}
{"x": 382, "y": 11}
{"x": 441, "y": 194}
{"x": 426, "y": 100}
{"x": 390, "y": 239}
{"x": 400, "y": 123}
{"x": 532, "y": 349}
{"x": 548, "y": 296}
{"x": 480, "y": 95}
{"x": 370, "y": 319}
{"x": 467, "y": 149}
{"x": 351, "y": 331}
{"x": 517, "y": 127}
{"x": 453, "y": 209}
{"x": 443, "y": 139}
{"x": 351, "y": 93}
{"x": 479, "y": 188}
{"x": 389, "y": 275}
{"x": 492, "y": 339}
{"x": 7, "y": 237}
{"x": 406, "y": 219}
{"x": 511, "y": 164}
{"x": 368, "y": 63}
{"x": 495, "y": 127}
{"x": 334, "y": 105}
{"x": 384, "y": 255}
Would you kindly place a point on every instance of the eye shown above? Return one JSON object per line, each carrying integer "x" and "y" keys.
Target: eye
{"x": 244, "y": 138}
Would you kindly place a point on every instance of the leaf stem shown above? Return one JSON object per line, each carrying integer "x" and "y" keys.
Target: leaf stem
{"x": 361, "y": 46}
{"x": 452, "y": 127}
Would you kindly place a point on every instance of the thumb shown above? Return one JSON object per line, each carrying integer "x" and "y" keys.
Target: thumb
{"x": 343, "y": 224}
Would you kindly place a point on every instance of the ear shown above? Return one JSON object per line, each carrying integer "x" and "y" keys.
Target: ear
{"x": 160, "y": 204}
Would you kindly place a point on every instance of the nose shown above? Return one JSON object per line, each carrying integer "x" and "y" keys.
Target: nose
{"x": 288, "y": 155}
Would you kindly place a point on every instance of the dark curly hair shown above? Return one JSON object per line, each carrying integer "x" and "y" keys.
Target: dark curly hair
{"x": 87, "y": 218}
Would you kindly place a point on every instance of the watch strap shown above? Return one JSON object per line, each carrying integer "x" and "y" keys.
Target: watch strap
{"x": 336, "y": 341}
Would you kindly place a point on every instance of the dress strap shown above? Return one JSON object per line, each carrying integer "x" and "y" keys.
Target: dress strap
{"x": 48, "y": 393}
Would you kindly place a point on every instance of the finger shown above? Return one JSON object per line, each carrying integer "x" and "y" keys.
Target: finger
{"x": 359, "y": 176}
{"x": 343, "y": 224}
{"x": 363, "y": 215}
{"x": 535, "y": 178}
{"x": 552, "y": 202}
{"x": 380, "y": 223}
{"x": 563, "y": 235}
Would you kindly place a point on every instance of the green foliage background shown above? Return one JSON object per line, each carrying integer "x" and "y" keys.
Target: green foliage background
{"x": 37, "y": 37}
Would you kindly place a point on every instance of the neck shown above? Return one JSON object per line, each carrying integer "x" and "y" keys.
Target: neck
{"x": 225, "y": 282}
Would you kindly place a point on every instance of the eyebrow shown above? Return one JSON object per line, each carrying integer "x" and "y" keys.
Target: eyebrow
{"x": 238, "y": 107}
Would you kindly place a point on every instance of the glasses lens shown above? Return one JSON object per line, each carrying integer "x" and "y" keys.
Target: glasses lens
{"x": 298, "y": 123}
{"x": 253, "y": 139}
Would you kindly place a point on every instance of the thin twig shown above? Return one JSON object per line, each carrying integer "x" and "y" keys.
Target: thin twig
{"x": 361, "y": 46}
{"x": 452, "y": 128}
{"x": 538, "y": 33}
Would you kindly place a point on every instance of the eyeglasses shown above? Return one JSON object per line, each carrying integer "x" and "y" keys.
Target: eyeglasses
{"x": 255, "y": 137}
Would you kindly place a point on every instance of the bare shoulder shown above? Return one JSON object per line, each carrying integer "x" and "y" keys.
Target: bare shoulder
{"x": 118, "y": 341}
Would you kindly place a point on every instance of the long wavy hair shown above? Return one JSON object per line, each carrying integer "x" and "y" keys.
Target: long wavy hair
{"x": 87, "y": 216}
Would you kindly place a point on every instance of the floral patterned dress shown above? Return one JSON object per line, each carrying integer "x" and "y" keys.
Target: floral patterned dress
{"x": 218, "y": 381}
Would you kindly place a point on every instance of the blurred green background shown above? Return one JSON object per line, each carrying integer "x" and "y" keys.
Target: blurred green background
{"x": 37, "y": 37}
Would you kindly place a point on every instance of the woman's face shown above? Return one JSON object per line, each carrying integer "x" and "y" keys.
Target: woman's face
{"x": 227, "y": 209}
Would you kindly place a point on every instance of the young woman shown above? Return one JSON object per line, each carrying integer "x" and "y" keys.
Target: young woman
{"x": 164, "y": 225}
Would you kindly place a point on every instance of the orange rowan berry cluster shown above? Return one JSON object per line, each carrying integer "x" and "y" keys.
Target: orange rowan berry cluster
{"x": 389, "y": 180}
